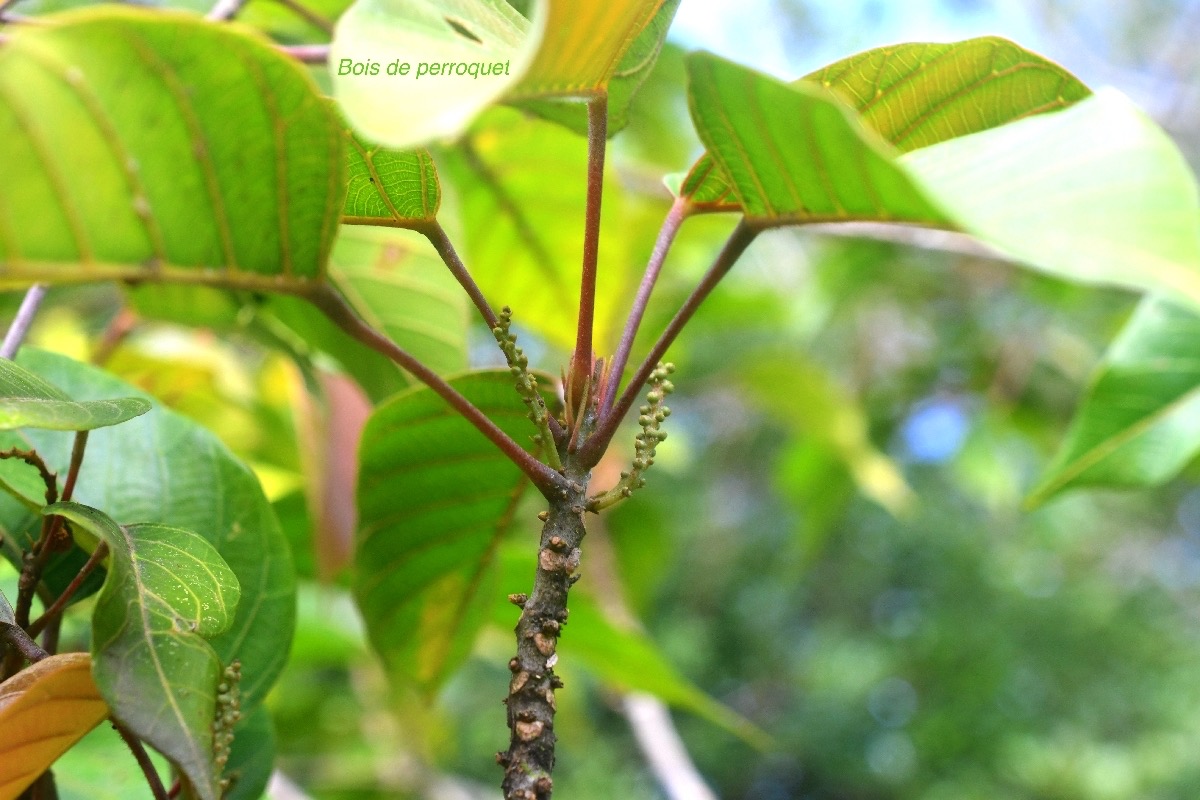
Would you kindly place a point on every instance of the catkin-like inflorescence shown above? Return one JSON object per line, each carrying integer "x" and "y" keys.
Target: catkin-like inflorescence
{"x": 228, "y": 712}
{"x": 650, "y": 418}
{"x": 527, "y": 385}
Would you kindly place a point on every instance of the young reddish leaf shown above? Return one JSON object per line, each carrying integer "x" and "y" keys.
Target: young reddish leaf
{"x": 45, "y": 709}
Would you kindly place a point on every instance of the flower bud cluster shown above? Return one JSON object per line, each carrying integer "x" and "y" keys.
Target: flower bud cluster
{"x": 527, "y": 385}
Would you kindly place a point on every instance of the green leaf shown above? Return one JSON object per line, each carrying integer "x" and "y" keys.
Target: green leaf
{"x": 1051, "y": 192}
{"x": 629, "y": 76}
{"x": 435, "y": 499}
{"x": 173, "y": 472}
{"x": 407, "y": 110}
{"x": 629, "y": 660}
{"x": 27, "y": 401}
{"x": 252, "y": 758}
{"x": 167, "y": 591}
{"x": 1139, "y": 423}
{"x": 390, "y": 187}
{"x": 795, "y": 153}
{"x": 153, "y": 145}
{"x": 918, "y": 94}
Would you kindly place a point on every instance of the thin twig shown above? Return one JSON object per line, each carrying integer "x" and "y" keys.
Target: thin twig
{"x": 739, "y": 240}
{"x": 666, "y": 236}
{"x": 307, "y": 53}
{"x": 22, "y": 642}
{"x": 548, "y": 482}
{"x": 98, "y": 555}
{"x": 581, "y": 363}
{"x": 225, "y": 10}
{"x": 20, "y": 324}
{"x": 436, "y": 235}
{"x": 143, "y": 759}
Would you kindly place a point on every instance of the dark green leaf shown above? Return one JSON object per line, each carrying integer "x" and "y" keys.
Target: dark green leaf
{"x": 167, "y": 591}
{"x": 164, "y": 468}
{"x": 1139, "y": 423}
{"x": 435, "y": 500}
{"x": 27, "y": 401}
{"x": 151, "y": 145}
{"x": 252, "y": 758}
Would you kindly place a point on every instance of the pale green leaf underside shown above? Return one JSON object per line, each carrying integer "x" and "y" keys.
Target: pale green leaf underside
{"x": 405, "y": 111}
{"x": 1097, "y": 193}
{"x": 389, "y": 187}
{"x": 917, "y": 94}
{"x": 435, "y": 498}
{"x": 153, "y": 145}
{"x": 185, "y": 478}
{"x": 28, "y": 401}
{"x": 1139, "y": 423}
{"x": 167, "y": 590}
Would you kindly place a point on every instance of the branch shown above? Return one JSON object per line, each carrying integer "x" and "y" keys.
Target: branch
{"x": 57, "y": 607}
{"x": 143, "y": 759}
{"x": 22, "y": 642}
{"x": 436, "y": 235}
{"x": 310, "y": 16}
{"x": 581, "y": 363}
{"x": 738, "y": 241}
{"x": 659, "y": 742}
{"x": 225, "y": 10}
{"x": 666, "y": 236}
{"x": 20, "y": 324}
{"x": 306, "y": 53}
{"x": 324, "y": 297}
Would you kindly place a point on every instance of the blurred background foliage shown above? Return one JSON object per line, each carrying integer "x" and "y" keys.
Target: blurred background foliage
{"x": 833, "y": 544}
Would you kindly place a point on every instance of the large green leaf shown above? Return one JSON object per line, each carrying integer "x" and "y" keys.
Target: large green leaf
{"x": 154, "y": 145}
{"x": 252, "y": 758}
{"x": 407, "y": 109}
{"x": 167, "y": 591}
{"x": 1139, "y": 423}
{"x": 918, "y": 94}
{"x": 163, "y": 468}
{"x": 389, "y": 187}
{"x": 435, "y": 500}
{"x": 1096, "y": 193}
{"x": 795, "y": 153}
{"x": 27, "y": 401}
{"x": 1119, "y": 208}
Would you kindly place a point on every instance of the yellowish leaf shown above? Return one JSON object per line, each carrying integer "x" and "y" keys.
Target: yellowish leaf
{"x": 44, "y": 710}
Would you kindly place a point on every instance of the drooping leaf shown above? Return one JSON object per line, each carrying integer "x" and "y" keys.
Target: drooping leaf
{"x": 435, "y": 500}
{"x": 167, "y": 591}
{"x": 1097, "y": 193}
{"x": 185, "y": 478}
{"x": 918, "y": 94}
{"x": 389, "y": 187}
{"x": 408, "y": 109}
{"x": 44, "y": 709}
{"x": 152, "y": 145}
{"x": 1139, "y": 423}
{"x": 630, "y": 661}
{"x": 795, "y": 153}
{"x": 27, "y": 401}
{"x": 624, "y": 83}
{"x": 584, "y": 43}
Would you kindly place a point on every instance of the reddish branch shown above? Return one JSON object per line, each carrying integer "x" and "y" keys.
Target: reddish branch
{"x": 581, "y": 362}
